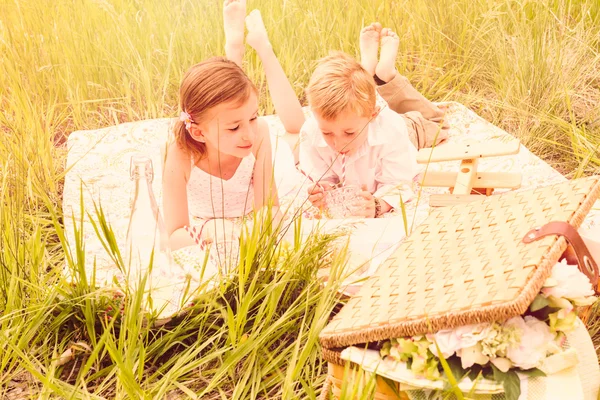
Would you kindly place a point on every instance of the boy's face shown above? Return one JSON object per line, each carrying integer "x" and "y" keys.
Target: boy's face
{"x": 345, "y": 133}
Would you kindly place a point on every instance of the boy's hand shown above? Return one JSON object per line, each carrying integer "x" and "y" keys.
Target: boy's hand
{"x": 365, "y": 204}
{"x": 316, "y": 194}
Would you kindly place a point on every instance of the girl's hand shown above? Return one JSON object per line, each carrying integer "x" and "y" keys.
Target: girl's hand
{"x": 364, "y": 204}
{"x": 316, "y": 194}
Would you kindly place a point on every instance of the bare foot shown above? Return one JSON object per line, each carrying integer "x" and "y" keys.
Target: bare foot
{"x": 369, "y": 43}
{"x": 257, "y": 36}
{"x": 234, "y": 12}
{"x": 386, "y": 67}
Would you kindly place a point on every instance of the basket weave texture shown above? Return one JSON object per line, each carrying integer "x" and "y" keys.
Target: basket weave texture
{"x": 465, "y": 264}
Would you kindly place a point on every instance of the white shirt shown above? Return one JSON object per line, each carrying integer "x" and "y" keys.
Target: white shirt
{"x": 386, "y": 163}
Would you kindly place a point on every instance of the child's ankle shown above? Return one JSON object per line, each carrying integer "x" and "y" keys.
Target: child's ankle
{"x": 382, "y": 78}
{"x": 235, "y": 46}
{"x": 234, "y": 51}
{"x": 264, "y": 49}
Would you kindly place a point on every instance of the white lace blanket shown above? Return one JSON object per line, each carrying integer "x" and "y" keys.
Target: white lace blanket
{"x": 98, "y": 162}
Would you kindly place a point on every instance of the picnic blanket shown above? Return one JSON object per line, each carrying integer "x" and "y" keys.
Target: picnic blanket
{"x": 98, "y": 172}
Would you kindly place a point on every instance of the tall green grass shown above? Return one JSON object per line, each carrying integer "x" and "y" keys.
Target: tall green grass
{"x": 530, "y": 66}
{"x": 254, "y": 335}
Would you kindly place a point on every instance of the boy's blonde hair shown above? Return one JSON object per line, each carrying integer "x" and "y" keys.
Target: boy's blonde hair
{"x": 338, "y": 84}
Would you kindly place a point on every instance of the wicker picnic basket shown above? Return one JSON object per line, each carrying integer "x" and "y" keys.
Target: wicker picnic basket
{"x": 465, "y": 264}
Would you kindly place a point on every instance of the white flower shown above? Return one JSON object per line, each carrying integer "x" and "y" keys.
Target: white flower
{"x": 584, "y": 301}
{"x": 447, "y": 341}
{"x": 535, "y": 340}
{"x": 451, "y": 340}
{"x": 566, "y": 281}
{"x": 472, "y": 355}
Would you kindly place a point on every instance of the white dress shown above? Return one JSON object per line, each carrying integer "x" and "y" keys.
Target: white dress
{"x": 212, "y": 197}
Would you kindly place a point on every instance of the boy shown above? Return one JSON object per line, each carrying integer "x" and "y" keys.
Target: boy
{"x": 354, "y": 138}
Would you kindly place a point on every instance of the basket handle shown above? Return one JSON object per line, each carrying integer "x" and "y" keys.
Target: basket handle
{"x": 576, "y": 252}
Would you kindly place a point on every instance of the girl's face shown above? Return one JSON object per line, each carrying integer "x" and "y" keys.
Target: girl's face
{"x": 229, "y": 128}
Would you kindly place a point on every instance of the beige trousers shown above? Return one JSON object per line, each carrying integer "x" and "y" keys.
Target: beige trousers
{"x": 424, "y": 120}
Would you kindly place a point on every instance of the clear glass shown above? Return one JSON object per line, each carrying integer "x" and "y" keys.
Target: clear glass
{"x": 340, "y": 203}
{"x": 146, "y": 231}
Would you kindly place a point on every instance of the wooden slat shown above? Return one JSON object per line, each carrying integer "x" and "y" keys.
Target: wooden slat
{"x": 452, "y": 152}
{"x": 467, "y": 173}
{"x": 444, "y": 200}
{"x": 496, "y": 180}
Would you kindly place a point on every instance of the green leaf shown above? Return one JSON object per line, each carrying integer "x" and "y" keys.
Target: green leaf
{"x": 488, "y": 373}
{"x": 512, "y": 386}
{"x": 538, "y": 303}
{"x": 544, "y": 313}
{"x": 533, "y": 373}
{"x": 475, "y": 371}
{"x": 498, "y": 375}
{"x": 456, "y": 367}
{"x": 510, "y": 381}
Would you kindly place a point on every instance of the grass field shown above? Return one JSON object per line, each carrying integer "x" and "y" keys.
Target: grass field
{"x": 530, "y": 66}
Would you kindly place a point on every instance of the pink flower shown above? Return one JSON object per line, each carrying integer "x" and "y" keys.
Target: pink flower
{"x": 535, "y": 341}
{"x": 186, "y": 118}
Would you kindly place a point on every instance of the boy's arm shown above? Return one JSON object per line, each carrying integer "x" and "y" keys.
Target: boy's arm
{"x": 398, "y": 168}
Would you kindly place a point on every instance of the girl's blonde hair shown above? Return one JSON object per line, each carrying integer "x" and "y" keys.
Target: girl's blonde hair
{"x": 339, "y": 84}
{"x": 204, "y": 86}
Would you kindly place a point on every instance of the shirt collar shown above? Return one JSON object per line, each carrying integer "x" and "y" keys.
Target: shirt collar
{"x": 319, "y": 140}
{"x": 377, "y": 134}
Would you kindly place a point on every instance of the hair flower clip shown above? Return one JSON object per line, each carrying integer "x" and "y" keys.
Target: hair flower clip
{"x": 187, "y": 118}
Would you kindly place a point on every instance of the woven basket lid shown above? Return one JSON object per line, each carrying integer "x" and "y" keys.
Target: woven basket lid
{"x": 465, "y": 264}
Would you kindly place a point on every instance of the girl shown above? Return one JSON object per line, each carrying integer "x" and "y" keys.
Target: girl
{"x": 220, "y": 165}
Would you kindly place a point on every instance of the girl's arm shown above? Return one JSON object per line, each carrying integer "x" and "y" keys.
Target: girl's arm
{"x": 265, "y": 191}
{"x": 284, "y": 98}
{"x": 175, "y": 205}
